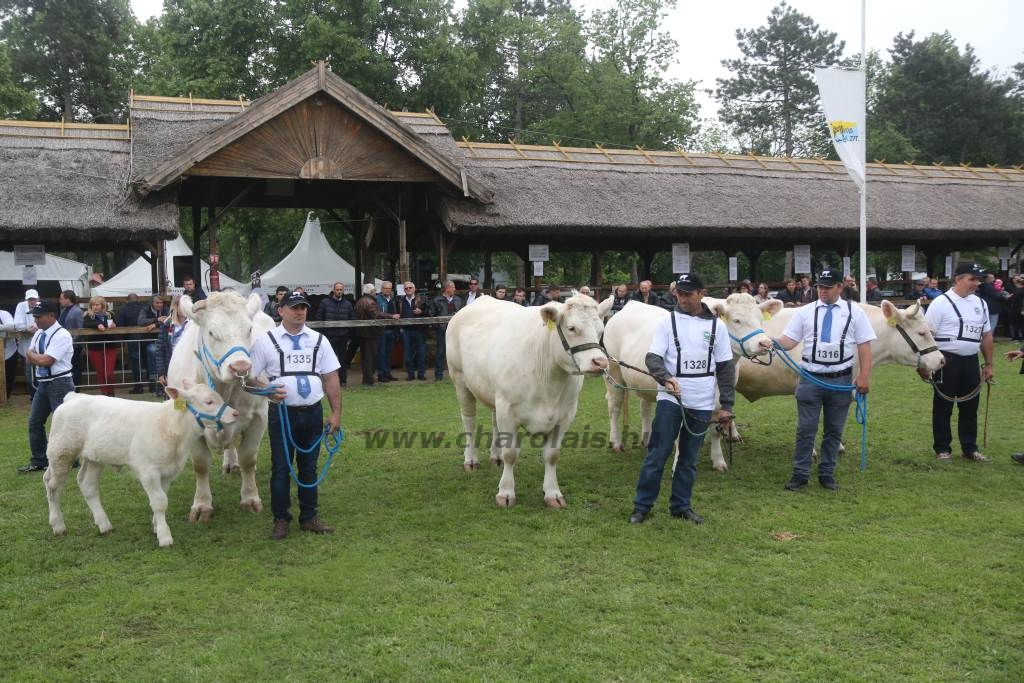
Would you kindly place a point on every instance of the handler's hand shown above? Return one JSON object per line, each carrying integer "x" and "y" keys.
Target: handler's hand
{"x": 333, "y": 422}
{"x": 1014, "y": 355}
{"x": 724, "y": 417}
{"x": 862, "y": 383}
{"x": 986, "y": 373}
{"x": 279, "y": 394}
{"x": 672, "y": 386}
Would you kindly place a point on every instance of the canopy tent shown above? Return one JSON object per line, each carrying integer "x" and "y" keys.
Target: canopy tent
{"x": 70, "y": 274}
{"x": 137, "y": 277}
{"x": 312, "y": 264}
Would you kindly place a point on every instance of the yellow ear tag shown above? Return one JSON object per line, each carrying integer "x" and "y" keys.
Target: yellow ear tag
{"x": 892, "y": 322}
{"x": 551, "y": 325}
{"x": 179, "y": 404}
{"x": 765, "y": 315}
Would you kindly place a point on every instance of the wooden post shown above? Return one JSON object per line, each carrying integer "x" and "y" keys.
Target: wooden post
{"x": 442, "y": 252}
{"x": 211, "y": 225}
{"x": 360, "y": 241}
{"x": 596, "y": 272}
{"x": 197, "y": 231}
{"x": 488, "y": 271}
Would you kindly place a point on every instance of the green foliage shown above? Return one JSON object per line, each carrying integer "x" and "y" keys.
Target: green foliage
{"x": 772, "y": 101}
{"x": 15, "y": 101}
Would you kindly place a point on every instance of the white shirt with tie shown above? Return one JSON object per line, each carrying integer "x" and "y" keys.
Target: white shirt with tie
{"x": 835, "y": 350}
{"x": 297, "y": 356}
{"x": 55, "y": 342}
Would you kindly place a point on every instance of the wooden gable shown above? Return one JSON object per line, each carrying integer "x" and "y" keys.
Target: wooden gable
{"x": 317, "y": 139}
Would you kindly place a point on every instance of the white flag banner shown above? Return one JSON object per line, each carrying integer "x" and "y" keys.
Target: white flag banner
{"x": 842, "y": 98}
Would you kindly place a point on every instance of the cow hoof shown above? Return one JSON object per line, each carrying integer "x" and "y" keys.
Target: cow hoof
{"x": 470, "y": 466}
{"x": 167, "y": 543}
{"x": 106, "y": 532}
{"x": 255, "y": 505}
{"x": 496, "y": 462}
{"x": 504, "y": 500}
{"x": 231, "y": 468}
{"x": 720, "y": 466}
{"x": 555, "y": 502}
{"x": 60, "y": 531}
{"x": 200, "y": 514}
{"x": 619, "y": 448}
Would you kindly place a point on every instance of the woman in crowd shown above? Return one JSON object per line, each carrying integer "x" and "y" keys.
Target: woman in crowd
{"x": 102, "y": 355}
{"x": 167, "y": 338}
{"x": 762, "y": 293}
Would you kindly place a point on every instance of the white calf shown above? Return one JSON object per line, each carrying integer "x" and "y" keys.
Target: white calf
{"x": 152, "y": 439}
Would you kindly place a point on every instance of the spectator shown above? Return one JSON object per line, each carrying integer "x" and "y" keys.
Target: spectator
{"x": 1015, "y": 310}
{"x": 334, "y": 307}
{"x": 808, "y": 294}
{"x": 271, "y": 308}
{"x": 10, "y": 352}
{"x": 519, "y": 297}
{"x": 388, "y": 305}
{"x": 789, "y": 296}
{"x": 668, "y": 300}
{"x": 194, "y": 292}
{"x": 621, "y": 298}
{"x": 474, "y": 291}
{"x": 645, "y": 294}
{"x": 762, "y": 293}
{"x": 932, "y": 291}
{"x": 500, "y": 292}
{"x": 25, "y": 322}
{"x": 169, "y": 333}
{"x": 446, "y": 304}
{"x": 70, "y": 318}
{"x": 993, "y": 297}
{"x": 745, "y": 287}
{"x": 365, "y": 309}
{"x": 585, "y": 291}
{"x": 850, "y": 291}
{"x": 414, "y": 337}
{"x": 151, "y": 317}
{"x": 553, "y": 293}
{"x": 128, "y": 316}
{"x": 102, "y": 354}
{"x": 874, "y": 294}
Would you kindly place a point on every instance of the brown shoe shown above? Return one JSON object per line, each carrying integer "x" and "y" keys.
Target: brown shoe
{"x": 280, "y": 529}
{"x": 977, "y": 457}
{"x": 317, "y": 526}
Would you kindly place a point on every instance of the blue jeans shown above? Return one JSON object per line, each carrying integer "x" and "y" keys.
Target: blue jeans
{"x": 151, "y": 368}
{"x": 307, "y": 425}
{"x": 134, "y": 353}
{"x": 440, "y": 357}
{"x": 387, "y": 343}
{"x": 49, "y": 395}
{"x": 667, "y": 426}
{"x": 811, "y": 401}
{"x": 415, "y": 352}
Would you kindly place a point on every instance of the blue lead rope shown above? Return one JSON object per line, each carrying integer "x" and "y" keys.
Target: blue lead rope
{"x": 862, "y": 400}
{"x": 332, "y": 442}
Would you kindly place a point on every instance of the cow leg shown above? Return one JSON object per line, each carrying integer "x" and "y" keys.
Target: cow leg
{"x": 89, "y": 483}
{"x": 552, "y": 495}
{"x": 247, "y": 451}
{"x": 153, "y": 485}
{"x": 715, "y": 444}
{"x": 495, "y": 451}
{"x": 506, "y": 497}
{"x": 230, "y": 462}
{"x": 646, "y": 419}
{"x": 202, "y": 503}
{"x": 467, "y": 409}
{"x": 614, "y": 396}
{"x": 53, "y": 480}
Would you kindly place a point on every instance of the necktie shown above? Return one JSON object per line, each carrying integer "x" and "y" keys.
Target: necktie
{"x": 451, "y": 307}
{"x": 826, "y": 324}
{"x": 301, "y": 380}
{"x": 43, "y": 371}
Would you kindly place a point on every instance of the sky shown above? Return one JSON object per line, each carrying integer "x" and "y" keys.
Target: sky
{"x": 706, "y": 29}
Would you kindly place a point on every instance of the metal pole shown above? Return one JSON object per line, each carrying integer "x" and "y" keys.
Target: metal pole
{"x": 864, "y": 185}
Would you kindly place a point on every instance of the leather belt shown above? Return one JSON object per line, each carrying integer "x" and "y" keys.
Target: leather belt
{"x": 831, "y": 375}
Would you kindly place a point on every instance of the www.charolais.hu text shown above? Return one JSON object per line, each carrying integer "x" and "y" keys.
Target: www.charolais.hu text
{"x": 485, "y": 438}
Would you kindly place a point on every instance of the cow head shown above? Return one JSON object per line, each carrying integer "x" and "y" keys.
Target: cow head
{"x": 579, "y": 330}
{"x": 744, "y": 319}
{"x": 205, "y": 405}
{"x": 225, "y": 321}
{"x": 909, "y": 340}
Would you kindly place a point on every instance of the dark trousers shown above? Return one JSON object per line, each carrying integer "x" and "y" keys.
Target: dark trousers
{"x": 666, "y": 427}
{"x": 811, "y": 402}
{"x": 958, "y": 377}
{"x": 387, "y": 344}
{"x": 340, "y": 346}
{"x": 49, "y": 395}
{"x": 11, "y": 367}
{"x": 368, "y": 358}
{"x": 415, "y": 344}
{"x": 307, "y": 424}
{"x": 134, "y": 356}
{"x": 440, "y": 353}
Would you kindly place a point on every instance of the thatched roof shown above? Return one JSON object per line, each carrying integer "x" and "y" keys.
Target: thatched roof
{"x": 70, "y": 184}
{"x": 554, "y": 191}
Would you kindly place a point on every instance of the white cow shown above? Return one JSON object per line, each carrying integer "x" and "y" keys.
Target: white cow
{"x": 904, "y": 338}
{"x": 628, "y": 335}
{"x": 527, "y": 366}
{"x": 214, "y": 348}
{"x": 152, "y": 439}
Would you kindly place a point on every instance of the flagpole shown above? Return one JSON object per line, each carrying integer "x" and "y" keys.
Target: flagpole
{"x": 864, "y": 185}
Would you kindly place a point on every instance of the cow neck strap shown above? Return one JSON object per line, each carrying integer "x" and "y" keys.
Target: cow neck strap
{"x": 573, "y": 350}
{"x": 914, "y": 347}
{"x": 214, "y": 418}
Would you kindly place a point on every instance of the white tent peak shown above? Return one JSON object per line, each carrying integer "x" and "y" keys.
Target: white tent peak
{"x": 136, "y": 277}
{"x": 312, "y": 264}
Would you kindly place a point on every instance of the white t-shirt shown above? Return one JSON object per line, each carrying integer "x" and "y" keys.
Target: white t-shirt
{"x": 57, "y": 344}
{"x": 266, "y": 358}
{"x": 959, "y": 334}
{"x": 11, "y": 343}
{"x": 22, "y": 322}
{"x": 698, "y": 359}
{"x": 840, "y": 351}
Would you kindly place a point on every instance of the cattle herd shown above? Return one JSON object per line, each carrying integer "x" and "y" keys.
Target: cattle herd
{"x": 534, "y": 383}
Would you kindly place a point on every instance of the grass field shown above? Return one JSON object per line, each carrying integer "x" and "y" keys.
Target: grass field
{"x": 912, "y": 571}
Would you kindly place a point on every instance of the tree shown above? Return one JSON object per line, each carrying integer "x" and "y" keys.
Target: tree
{"x": 15, "y": 101}
{"x": 75, "y": 54}
{"x": 772, "y": 101}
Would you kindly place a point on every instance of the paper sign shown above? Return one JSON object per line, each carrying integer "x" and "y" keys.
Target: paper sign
{"x": 681, "y": 258}
{"x": 732, "y": 269}
{"x": 846, "y": 266}
{"x": 801, "y": 258}
{"x": 1004, "y": 253}
{"x": 538, "y": 252}
{"x": 538, "y": 268}
{"x": 949, "y": 266}
{"x": 29, "y": 255}
{"x": 28, "y": 276}
{"x": 908, "y": 258}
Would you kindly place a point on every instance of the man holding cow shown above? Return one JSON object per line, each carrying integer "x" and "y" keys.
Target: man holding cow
{"x": 834, "y": 333}
{"x": 689, "y": 355}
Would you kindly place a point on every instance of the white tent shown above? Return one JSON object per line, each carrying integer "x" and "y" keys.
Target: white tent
{"x": 312, "y": 264}
{"x": 70, "y": 274}
{"x": 137, "y": 278}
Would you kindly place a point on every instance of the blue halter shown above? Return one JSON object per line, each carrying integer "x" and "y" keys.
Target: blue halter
{"x": 207, "y": 416}
{"x": 743, "y": 348}
{"x": 217, "y": 362}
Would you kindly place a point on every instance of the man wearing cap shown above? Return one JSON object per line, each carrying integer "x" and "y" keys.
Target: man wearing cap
{"x": 959, "y": 320}
{"x": 49, "y": 356}
{"x": 689, "y": 355}
{"x": 834, "y": 333}
{"x": 305, "y": 366}
{"x": 23, "y": 322}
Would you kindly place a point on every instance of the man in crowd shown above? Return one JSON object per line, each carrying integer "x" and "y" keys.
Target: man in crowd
{"x": 389, "y": 306}
{"x": 789, "y": 295}
{"x": 70, "y": 318}
{"x": 850, "y": 291}
{"x": 152, "y": 317}
{"x": 366, "y": 309}
{"x": 519, "y": 297}
{"x": 446, "y": 304}
{"x": 193, "y": 291}
{"x": 336, "y": 307}
{"x": 621, "y": 298}
{"x": 271, "y": 308}
{"x": 808, "y": 294}
{"x": 646, "y": 294}
{"x": 874, "y": 294}
{"x": 414, "y": 337}
{"x": 296, "y": 358}
{"x": 553, "y": 293}
{"x": 474, "y": 291}
{"x": 49, "y": 357}
{"x": 500, "y": 292}
{"x": 128, "y": 316}
{"x": 690, "y": 356}
{"x": 959, "y": 320}
{"x": 24, "y": 322}
{"x": 834, "y": 334}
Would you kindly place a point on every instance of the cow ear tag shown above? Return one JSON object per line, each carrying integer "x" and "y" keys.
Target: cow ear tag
{"x": 766, "y": 316}
{"x": 179, "y": 404}
{"x": 892, "y": 322}
{"x": 551, "y": 325}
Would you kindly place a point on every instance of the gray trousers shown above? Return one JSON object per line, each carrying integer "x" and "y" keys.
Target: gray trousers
{"x": 812, "y": 400}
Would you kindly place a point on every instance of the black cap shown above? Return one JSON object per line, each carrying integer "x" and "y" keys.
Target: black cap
{"x": 296, "y": 299}
{"x": 828, "y": 278}
{"x": 689, "y": 282}
{"x": 44, "y": 307}
{"x": 968, "y": 268}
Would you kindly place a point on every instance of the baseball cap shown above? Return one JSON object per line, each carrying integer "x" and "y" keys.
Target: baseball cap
{"x": 828, "y": 278}
{"x": 689, "y": 282}
{"x": 44, "y": 307}
{"x": 968, "y": 268}
{"x": 31, "y": 294}
{"x": 296, "y": 299}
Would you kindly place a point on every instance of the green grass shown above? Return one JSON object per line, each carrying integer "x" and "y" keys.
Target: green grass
{"x": 912, "y": 571}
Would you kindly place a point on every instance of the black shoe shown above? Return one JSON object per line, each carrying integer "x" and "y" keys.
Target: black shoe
{"x": 422, "y": 377}
{"x": 795, "y": 483}
{"x": 410, "y": 378}
{"x": 638, "y": 517}
{"x": 828, "y": 482}
{"x": 688, "y": 514}
{"x": 31, "y": 467}
{"x": 137, "y": 389}
{"x": 391, "y": 378}
{"x": 382, "y": 378}
{"x": 1018, "y": 458}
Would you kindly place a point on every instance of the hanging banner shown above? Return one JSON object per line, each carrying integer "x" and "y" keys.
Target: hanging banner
{"x": 802, "y": 258}
{"x": 908, "y": 258}
{"x": 681, "y": 258}
{"x": 842, "y": 98}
